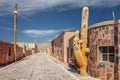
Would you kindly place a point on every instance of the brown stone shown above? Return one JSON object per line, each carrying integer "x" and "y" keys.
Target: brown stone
{"x": 109, "y": 76}
{"x": 119, "y": 67}
{"x": 115, "y": 69}
{"x": 106, "y": 32}
{"x": 98, "y": 66}
{"x": 109, "y": 69}
{"x": 111, "y": 66}
{"x": 103, "y": 72}
{"x": 118, "y": 76}
{"x": 102, "y": 77}
{"x": 97, "y": 74}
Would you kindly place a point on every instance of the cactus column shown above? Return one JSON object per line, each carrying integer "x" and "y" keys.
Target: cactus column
{"x": 80, "y": 45}
{"x": 84, "y": 27}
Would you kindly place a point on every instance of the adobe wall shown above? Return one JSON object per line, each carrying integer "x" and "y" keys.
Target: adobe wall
{"x": 6, "y": 53}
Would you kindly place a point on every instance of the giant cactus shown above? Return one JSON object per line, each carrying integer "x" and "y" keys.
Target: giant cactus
{"x": 80, "y": 45}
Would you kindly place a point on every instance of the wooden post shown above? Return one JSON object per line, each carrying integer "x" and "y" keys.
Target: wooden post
{"x": 15, "y": 20}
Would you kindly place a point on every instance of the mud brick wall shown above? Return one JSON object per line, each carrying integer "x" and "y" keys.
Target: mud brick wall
{"x": 6, "y": 53}
{"x": 67, "y": 36}
{"x": 19, "y": 54}
{"x": 103, "y": 35}
{"x": 28, "y": 52}
{"x": 71, "y": 51}
{"x": 60, "y": 45}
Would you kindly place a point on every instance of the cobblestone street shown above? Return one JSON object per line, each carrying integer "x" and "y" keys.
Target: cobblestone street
{"x": 36, "y": 67}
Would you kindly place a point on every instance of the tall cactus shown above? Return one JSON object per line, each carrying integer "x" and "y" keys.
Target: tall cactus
{"x": 84, "y": 26}
{"x": 80, "y": 45}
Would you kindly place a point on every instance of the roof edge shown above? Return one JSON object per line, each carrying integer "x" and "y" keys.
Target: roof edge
{"x": 102, "y": 23}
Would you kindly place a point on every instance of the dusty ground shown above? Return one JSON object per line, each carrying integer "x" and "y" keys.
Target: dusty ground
{"x": 40, "y": 66}
{"x": 72, "y": 72}
{"x": 36, "y": 67}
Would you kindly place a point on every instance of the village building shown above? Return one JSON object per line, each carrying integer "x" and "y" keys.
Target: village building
{"x": 60, "y": 45}
{"x": 45, "y": 48}
{"x": 31, "y": 47}
{"x": 28, "y": 48}
{"x": 7, "y": 53}
{"x": 104, "y": 43}
{"x": 22, "y": 45}
{"x": 71, "y": 50}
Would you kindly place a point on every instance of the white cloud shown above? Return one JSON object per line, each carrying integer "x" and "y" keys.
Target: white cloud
{"x": 32, "y": 6}
{"x": 9, "y": 29}
{"x": 42, "y": 33}
{"x": 6, "y": 28}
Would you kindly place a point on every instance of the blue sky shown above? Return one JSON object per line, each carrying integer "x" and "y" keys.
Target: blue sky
{"x": 43, "y": 20}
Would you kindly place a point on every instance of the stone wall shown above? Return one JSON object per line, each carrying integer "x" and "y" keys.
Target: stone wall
{"x": 101, "y": 39}
{"x": 59, "y": 47}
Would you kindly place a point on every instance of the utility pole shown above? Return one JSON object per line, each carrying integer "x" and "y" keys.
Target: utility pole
{"x": 113, "y": 15}
{"x": 15, "y": 20}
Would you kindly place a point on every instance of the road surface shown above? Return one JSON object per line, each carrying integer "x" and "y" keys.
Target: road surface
{"x": 36, "y": 67}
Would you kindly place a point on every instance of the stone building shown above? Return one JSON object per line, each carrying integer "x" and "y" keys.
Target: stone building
{"x": 60, "y": 45}
{"x": 104, "y": 43}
